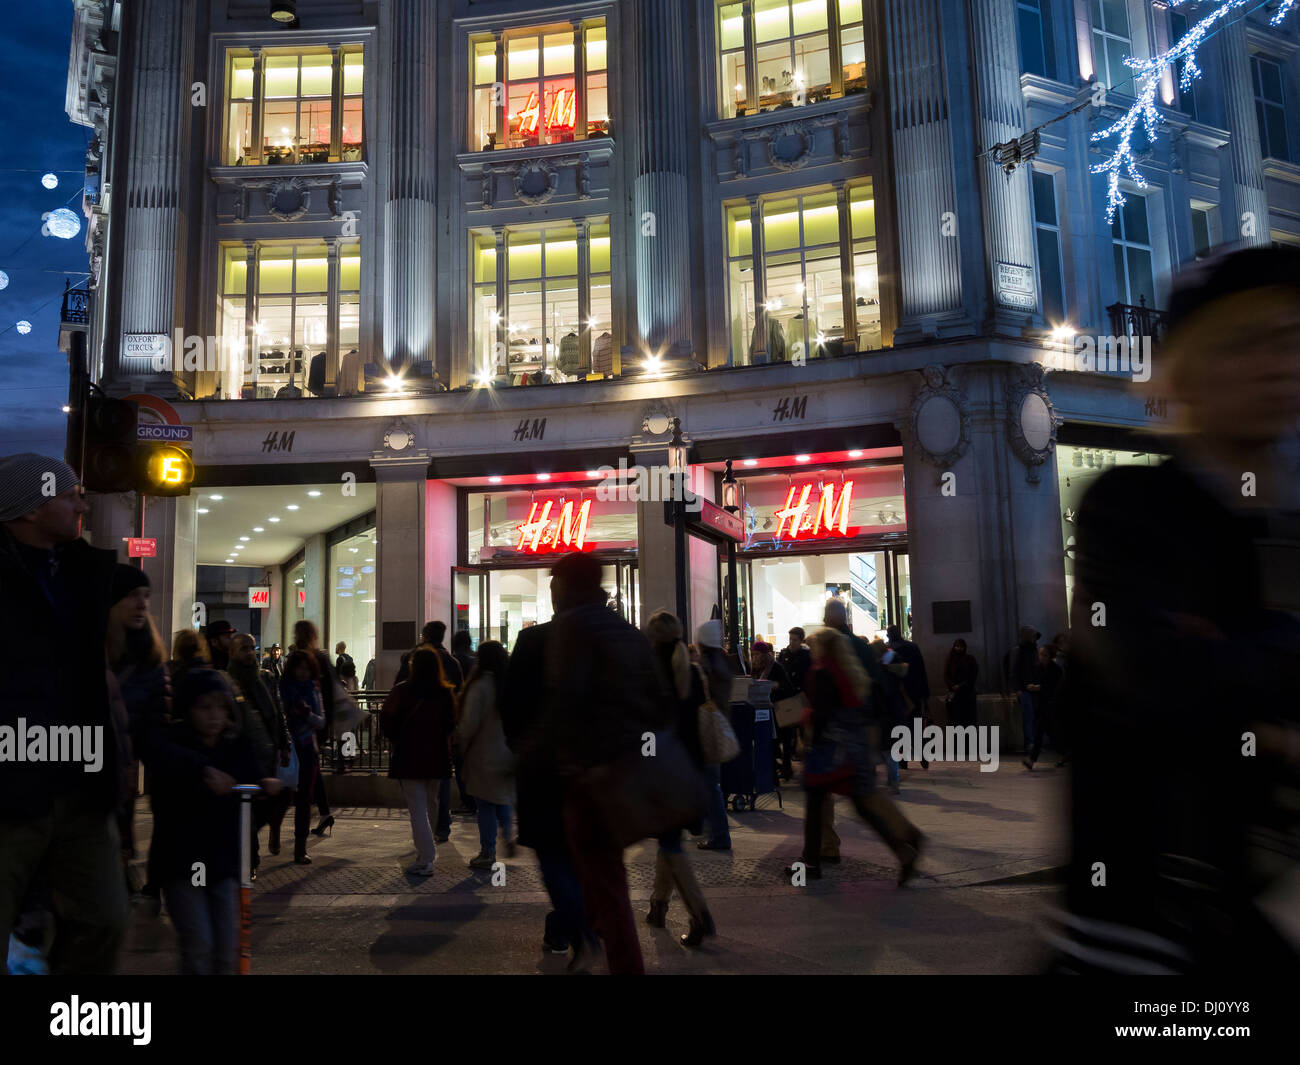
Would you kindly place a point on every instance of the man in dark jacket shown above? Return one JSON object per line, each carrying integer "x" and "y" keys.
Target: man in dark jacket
{"x": 796, "y": 660}
{"x": 58, "y": 816}
{"x": 219, "y": 634}
{"x": 1026, "y": 682}
{"x": 915, "y": 683}
{"x": 259, "y": 692}
{"x": 603, "y": 699}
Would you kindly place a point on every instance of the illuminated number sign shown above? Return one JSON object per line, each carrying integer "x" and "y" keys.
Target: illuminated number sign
{"x": 566, "y": 532}
{"x": 562, "y": 114}
{"x": 802, "y": 520}
{"x": 169, "y": 470}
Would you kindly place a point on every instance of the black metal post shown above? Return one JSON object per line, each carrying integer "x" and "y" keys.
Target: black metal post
{"x": 679, "y": 548}
{"x": 78, "y": 388}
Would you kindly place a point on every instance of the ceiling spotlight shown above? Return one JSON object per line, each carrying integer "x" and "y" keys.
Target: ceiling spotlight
{"x": 313, "y": 493}
{"x": 66, "y": 409}
{"x": 751, "y": 462}
{"x": 243, "y": 539}
{"x": 292, "y": 506}
{"x": 284, "y": 11}
{"x": 258, "y": 528}
{"x": 217, "y": 498}
{"x": 855, "y": 454}
{"x": 273, "y": 519}
{"x": 202, "y": 510}
{"x": 543, "y": 476}
{"x": 803, "y": 458}
{"x": 494, "y": 479}
{"x": 393, "y": 383}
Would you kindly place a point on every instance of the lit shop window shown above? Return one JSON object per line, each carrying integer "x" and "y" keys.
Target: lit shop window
{"x": 787, "y": 298}
{"x": 554, "y": 86}
{"x": 289, "y": 330}
{"x": 299, "y": 107}
{"x": 353, "y": 594}
{"x": 542, "y": 304}
{"x": 788, "y": 53}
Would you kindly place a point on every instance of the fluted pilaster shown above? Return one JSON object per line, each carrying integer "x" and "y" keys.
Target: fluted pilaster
{"x": 410, "y": 215}
{"x": 660, "y": 189}
{"x": 1251, "y": 222}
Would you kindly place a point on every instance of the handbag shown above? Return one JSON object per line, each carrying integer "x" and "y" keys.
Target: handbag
{"x": 828, "y": 766}
{"x": 639, "y": 796}
{"x": 288, "y": 774}
{"x": 717, "y": 738}
{"x": 788, "y": 712}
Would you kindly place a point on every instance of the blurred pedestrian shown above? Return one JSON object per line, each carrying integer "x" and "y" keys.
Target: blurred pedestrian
{"x": 418, "y": 718}
{"x": 53, "y": 623}
{"x": 462, "y": 650}
{"x": 915, "y": 682}
{"x": 796, "y": 661}
{"x": 189, "y": 651}
{"x": 718, "y": 676}
{"x": 219, "y": 633}
{"x": 431, "y": 637}
{"x": 306, "y": 638}
{"x": 1026, "y": 682}
{"x": 489, "y": 764}
{"x": 198, "y": 761}
{"x": 1045, "y": 708}
{"x": 682, "y": 685}
{"x": 300, "y": 698}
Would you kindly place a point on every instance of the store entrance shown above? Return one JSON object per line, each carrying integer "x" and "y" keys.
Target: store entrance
{"x": 497, "y": 603}
{"x": 778, "y": 593}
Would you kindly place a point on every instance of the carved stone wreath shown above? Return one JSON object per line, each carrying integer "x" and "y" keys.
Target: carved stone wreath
{"x": 790, "y": 145}
{"x": 938, "y": 420}
{"x": 287, "y": 199}
{"x": 1032, "y": 420}
{"x": 535, "y": 182}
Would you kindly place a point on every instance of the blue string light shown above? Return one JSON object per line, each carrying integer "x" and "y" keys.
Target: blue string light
{"x": 1147, "y": 74}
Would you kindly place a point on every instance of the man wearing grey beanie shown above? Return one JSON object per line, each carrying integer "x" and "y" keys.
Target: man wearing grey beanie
{"x": 57, "y": 797}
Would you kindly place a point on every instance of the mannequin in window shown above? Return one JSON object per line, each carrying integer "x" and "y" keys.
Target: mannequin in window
{"x": 570, "y": 362}
{"x": 602, "y": 355}
{"x": 316, "y": 374}
{"x": 351, "y": 376}
{"x": 794, "y": 336}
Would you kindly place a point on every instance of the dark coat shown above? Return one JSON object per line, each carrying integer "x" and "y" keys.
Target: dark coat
{"x": 191, "y": 823}
{"x": 916, "y": 683}
{"x": 450, "y": 666}
{"x": 57, "y": 671}
{"x": 523, "y": 702}
{"x": 1182, "y": 673}
{"x": 419, "y": 730}
{"x": 260, "y": 692}
{"x": 796, "y": 665}
{"x": 147, "y": 695}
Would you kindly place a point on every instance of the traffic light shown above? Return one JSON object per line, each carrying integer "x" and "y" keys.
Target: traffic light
{"x": 165, "y": 470}
{"x": 111, "y": 448}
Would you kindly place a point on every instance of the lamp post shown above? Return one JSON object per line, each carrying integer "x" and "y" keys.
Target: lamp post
{"x": 677, "y": 472}
{"x": 731, "y": 504}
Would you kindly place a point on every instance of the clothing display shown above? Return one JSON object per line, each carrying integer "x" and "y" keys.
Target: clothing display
{"x": 602, "y": 355}
{"x": 351, "y": 376}
{"x": 316, "y": 374}
{"x": 775, "y": 347}
{"x": 570, "y": 361}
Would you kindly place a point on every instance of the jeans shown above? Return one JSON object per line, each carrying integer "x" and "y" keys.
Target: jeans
{"x": 599, "y": 864}
{"x": 719, "y": 832}
{"x": 75, "y": 847}
{"x": 422, "y": 803}
{"x": 566, "y": 924}
{"x": 1028, "y": 720}
{"x": 489, "y": 815}
{"x": 458, "y": 766}
{"x": 207, "y": 924}
{"x": 308, "y": 777}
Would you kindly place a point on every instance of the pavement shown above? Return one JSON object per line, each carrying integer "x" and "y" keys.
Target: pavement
{"x": 995, "y": 844}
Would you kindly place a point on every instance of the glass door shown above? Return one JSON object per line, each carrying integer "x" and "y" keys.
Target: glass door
{"x": 903, "y": 591}
{"x": 625, "y": 597}
{"x": 468, "y": 599}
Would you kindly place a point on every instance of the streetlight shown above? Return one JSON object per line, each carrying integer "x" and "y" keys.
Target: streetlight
{"x": 677, "y": 455}
{"x": 731, "y": 504}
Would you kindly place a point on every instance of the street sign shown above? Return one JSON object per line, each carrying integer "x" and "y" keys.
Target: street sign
{"x": 141, "y": 547}
{"x": 167, "y": 434}
{"x": 259, "y": 598}
{"x": 715, "y": 522}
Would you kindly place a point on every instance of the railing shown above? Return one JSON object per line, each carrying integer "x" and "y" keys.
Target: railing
{"x": 372, "y": 750}
{"x": 1139, "y": 321}
{"x": 76, "y": 305}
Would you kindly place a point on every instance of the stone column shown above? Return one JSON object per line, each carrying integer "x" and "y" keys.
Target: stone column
{"x": 1006, "y": 199}
{"x": 660, "y": 186}
{"x": 152, "y": 221}
{"x": 1251, "y": 224}
{"x": 655, "y": 549}
{"x": 931, "y": 281}
{"x": 401, "y": 560}
{"x": 410, "y": 215}
{"x": 173, "y": 573}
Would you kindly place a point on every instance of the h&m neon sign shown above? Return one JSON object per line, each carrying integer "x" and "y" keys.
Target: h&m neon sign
{"x": 561, "y": 115}
{"x": 830, "y": 517}
{"x": 566, "y": 532}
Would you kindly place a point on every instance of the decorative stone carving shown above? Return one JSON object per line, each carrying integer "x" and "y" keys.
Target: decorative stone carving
{"x": 398, "y": 438}
{"x": 1032, "y": 420}
{"x": 790, "y": 145}
{"x": 287, "y": 199}
{"x": 336, "y": 200}
{"x": 938, "y": 421}
{"x": 535, "y": 182}
{"x": 657, "y": 418}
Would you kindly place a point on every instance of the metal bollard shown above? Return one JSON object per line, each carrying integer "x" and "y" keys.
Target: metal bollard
{"x": 246, "y": 793}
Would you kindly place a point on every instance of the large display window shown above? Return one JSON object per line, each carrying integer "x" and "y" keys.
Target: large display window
{"x": 353, "y": 596}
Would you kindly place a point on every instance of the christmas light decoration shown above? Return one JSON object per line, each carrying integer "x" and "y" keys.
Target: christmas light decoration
{"x": 62, "y": 223}
{"x": 1147, "y": 74}
{"x": 50, "y": 181}
{"x": 24, "y": 327}
{"x": 4, "y": 280}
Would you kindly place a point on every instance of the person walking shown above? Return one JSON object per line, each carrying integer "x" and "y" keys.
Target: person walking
{"x": 138, "y": 659}
{"x": 273, "y": 662}
{"x": 258, "y": 691}
{"x": 418, "y": 718}
{"x": 682, "y": 685}
{"x": 345, "y": 666}
{"x": 1026, "y": 680}
{"x": 462, "y": 650}
{"x": 431, "y": 637}
{"x": 915, "y": 682}
{"x": 717, "y": 682}
{"x": 796, "y": 661}
{"x": 840, "y": 759}
{"x": 306, "y": 638}
{"x": 195, "y": 764}
{"x": 541, "y": 793}
{"x": 602, "y": 679}
{"x": 960, "y": 672}
{"x": 488, "y": 762}
{"x": 1045, "y": 708}
{"x": 53, "y": 625}
{"x": 763, "y": 665}
{"x": 189, "y": 651}
{"x": 219, "y": 633}
{"x": 301, "y": 699}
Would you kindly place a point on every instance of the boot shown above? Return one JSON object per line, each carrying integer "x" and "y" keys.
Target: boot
{"x": 663, "y": 887}
{"x": 658, "y": 914}
{"x": 273, "y": 843}
{"x": 700, "y": 927}
{"x": 903, "y": 837}
{"x": 689, "y": 889}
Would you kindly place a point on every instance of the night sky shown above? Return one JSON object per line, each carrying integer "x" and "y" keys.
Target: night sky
{"x": 38, "y": 137}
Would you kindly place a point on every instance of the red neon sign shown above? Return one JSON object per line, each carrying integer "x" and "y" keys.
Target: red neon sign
{"x": 830, "y": 518}
{"x": 561, "y": 115}
{"x": 566, "y": 532}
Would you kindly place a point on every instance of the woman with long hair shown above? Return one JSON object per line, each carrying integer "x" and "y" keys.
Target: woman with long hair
{"x": 683, "y": 684}
{"x": 189, "y": 651}
{"x": 301, "y": 702}
{"x": 839, "y": 759}
{"x": 418, "y": 717}
{"x": 138, "y": 659}
{"x": 489, "y": 764}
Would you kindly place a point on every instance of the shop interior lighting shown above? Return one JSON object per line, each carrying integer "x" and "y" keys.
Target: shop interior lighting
{"x": 751, "y": 462}
{"x": 202, "y": 510}
{"x": 543, "y": 476}
{"x": 273, "y": 519}
{"x": 803, "y": 458}
{"x": 494, "y": 479}
{"x": 216, "y": 498}
{"x": 258, "y": 528}
{"x": 313, "y": 493}
{"x": 855, "y": 454}
{"x": 292, "y": 506}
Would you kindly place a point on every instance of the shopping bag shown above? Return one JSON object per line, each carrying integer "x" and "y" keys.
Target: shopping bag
{"x": 717, "y": 738}
{"x": 788, "y": 712}
{"x": 288, "y": 774}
